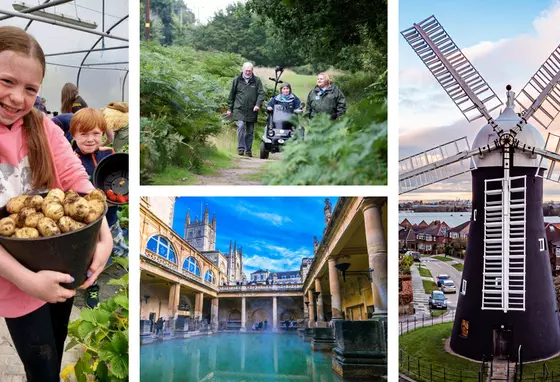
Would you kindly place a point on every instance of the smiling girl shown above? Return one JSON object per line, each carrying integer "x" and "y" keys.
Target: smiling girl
{"x": 35, "y": 156}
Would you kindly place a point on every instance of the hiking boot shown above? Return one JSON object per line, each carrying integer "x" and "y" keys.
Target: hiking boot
{"x": 241, "y": 152}
{"x": 92, "y": 296}
{"x": 249, "y": 154}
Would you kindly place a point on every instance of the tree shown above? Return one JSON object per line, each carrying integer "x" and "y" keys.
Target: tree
{"x": 355, "y": 29}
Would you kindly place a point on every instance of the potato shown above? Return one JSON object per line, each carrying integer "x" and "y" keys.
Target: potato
{"x": 57, "y": 193}
{"x": 7, "y": 227}
{"x": 67, "y": 224}
{"x": 26, "y": 233}
{"x": 96, "y": 209}
{"x": 77, "y": 208}
{"x": 70, "y": 194}
{"x": 32, "y": 220}
{"x": 47, "y": 227}
{"x": 13, "y": 217}
{"x": 96, "y": 195}
{"x": 15, "y": 205}
{"x": 23, "y": 214}
{"x": 50, "y": 199}
{"x": 53, "y": 210}
{"x": 34, "y": 201}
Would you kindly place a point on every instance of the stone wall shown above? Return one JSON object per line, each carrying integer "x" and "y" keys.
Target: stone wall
{"x": 260, "y": 309}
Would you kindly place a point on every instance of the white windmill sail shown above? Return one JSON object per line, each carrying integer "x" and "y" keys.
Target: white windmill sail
{"x": 431, "y": 166}
{"x": 462, "y": 82}
{"x": 540, "y": 98}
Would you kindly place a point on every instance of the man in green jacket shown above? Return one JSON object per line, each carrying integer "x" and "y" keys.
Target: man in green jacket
{"x": 326, "y": 98}
{"x": 245, "y": 100}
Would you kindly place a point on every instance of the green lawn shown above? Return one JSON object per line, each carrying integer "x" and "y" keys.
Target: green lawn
{"x": 427, "y": 345}
{"x": 429, "y": 286}
{"x": 424, "y": 272}
{"x": 443, "y": 258}
{"x": 438, "y": 312}
{"x": 301, "y": 85}
{"x": 458, "y": 266}
{"x": 530, "y": 369}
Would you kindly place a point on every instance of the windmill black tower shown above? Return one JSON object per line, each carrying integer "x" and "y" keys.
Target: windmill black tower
{"x": 507, "y": 297}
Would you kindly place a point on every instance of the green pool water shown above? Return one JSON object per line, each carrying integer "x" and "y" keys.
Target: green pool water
{"x": 235, "y": 357}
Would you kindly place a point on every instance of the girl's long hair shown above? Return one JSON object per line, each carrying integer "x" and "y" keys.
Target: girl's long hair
{"x": 18, "y": 41}
{"x": 68, "y": 96}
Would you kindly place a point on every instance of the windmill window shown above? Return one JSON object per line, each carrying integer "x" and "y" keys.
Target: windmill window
{"x": 498, "y": 282}
{"x": 464, "y": 287}
{"x": 541, "y": 244}
{"x": 474, "y": 215}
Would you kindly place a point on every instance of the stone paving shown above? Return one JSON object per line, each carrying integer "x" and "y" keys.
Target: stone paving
{"x": 11, "y": 368}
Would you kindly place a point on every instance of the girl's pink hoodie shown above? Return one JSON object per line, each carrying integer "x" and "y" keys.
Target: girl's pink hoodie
{"x": 15, "y": 179}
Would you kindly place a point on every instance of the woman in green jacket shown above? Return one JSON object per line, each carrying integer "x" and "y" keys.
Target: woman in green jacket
{"x": 326, "y": 98}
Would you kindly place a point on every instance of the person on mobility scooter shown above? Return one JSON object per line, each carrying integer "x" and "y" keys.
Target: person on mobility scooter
{"x": 280, "y": 109}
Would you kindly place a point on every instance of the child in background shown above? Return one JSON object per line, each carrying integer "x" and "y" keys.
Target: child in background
{"x": 87, "y": 127}
{"x": 35, "y": 156}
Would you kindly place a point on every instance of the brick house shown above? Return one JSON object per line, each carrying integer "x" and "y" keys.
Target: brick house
{"x": 432, "y": 238}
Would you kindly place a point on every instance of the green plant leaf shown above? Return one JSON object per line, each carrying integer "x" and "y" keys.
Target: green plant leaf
{"x": 122, "y": 301}
{"x": 70, "y": 345}
{"x": 119, "y": 367}
{"x": 85, "y": 328}
{"x": 120, "y": 344}
{"x": 123, "y": 281}
{"x": 102, "y": 316}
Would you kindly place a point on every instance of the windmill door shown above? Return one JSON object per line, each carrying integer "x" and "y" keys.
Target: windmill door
{"x": 503, "y": 340}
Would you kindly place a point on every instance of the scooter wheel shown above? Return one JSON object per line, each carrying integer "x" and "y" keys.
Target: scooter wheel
{"x": 264, "y": 152}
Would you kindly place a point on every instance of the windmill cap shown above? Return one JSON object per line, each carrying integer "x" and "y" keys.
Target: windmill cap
{"x": 508, "y": 87}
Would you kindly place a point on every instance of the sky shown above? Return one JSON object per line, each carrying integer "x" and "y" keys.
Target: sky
{"x": 97, "y": 87}
{"x": 275, "y": 232}
{"x": 205, "y": 9}
{"x": 506, "y": 41}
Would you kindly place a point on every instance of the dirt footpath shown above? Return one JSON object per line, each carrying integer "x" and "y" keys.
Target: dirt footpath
{"x": 244, "y": 172}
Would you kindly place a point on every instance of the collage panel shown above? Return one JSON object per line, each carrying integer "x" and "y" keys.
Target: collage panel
{"x": 64, "y": 190}
{"x": 263, "y": 92}
{"x": 237, "y": 289}
{"x": 479, "y": 272}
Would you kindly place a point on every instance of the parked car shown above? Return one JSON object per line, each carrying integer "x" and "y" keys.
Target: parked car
{"x": 415, "y": 255}
{"x": 441, "y": 279}
{"x": 448, "y": 286}
{"x": 437, "y": 300}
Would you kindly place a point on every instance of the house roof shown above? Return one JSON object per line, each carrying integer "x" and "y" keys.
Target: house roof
{"x": 407, "y": 234}
{"x": 462, "y": 228}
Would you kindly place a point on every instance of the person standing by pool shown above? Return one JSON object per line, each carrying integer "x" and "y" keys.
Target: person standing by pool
{"x": 326, "y": 97}
{"x": 245, "y": 100}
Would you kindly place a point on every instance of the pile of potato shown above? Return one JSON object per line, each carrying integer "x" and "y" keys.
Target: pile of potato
{"x": 33, "y": 216}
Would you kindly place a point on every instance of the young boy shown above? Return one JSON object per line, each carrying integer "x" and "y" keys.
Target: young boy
{"x": 87, "y": 127}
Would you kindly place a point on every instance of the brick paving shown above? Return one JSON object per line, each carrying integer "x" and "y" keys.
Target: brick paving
{"x": 11, "y": 368}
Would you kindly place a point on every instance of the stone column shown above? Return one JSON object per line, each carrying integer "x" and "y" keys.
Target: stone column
{"x": 198, "y": 303}
{"x": 214, "y": 314}
{"x": 320, "y": 315}
{"x": 311, "y": 309}
{"x": 243, "y": 314}
{"x": 173, "y": 304}
{"x": 377, "y": 252}
{"x": 335, "y": 290}
{"x": 274, "y": 314}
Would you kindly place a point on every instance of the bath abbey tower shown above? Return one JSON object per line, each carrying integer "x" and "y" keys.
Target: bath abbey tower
{"x": 201, "y": 234}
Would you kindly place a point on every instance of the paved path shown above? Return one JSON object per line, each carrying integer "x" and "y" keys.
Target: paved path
{"x": 438, "y": 267}
{"x": 11, "y": 368}
{"x": 419, "y": 295}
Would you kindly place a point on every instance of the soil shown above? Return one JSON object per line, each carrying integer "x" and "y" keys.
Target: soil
{"x": 243, "y": 168}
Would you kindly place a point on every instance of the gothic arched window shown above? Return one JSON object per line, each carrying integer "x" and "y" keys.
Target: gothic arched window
{"x": 191, "y": 265}
{"x": 161, "y": 246}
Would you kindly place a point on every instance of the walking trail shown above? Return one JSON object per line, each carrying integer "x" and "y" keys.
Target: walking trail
{"x": 245, "y": 171}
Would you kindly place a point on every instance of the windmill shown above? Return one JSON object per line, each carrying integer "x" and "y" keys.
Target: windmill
{"x": 507, "y": 297}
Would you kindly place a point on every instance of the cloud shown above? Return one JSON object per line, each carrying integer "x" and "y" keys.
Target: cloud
{"x": 273, "y": 257}
{"x": 246, "y": 209}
